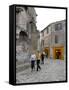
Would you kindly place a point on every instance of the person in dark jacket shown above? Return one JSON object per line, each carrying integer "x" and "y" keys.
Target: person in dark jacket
{"x": 42, "y": 58}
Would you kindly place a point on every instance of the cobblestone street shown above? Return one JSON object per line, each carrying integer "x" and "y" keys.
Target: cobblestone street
{"x": 51, "y": 70}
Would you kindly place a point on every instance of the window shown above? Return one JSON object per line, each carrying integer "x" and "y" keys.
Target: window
{"x": 32, "y": 26}
{"x": 56, "y": 39}
{"x": 42, "y": 43}
{"x": 58, "y": 26}
{"x": 42, "y": 33}
{"x": 47, "y": 30}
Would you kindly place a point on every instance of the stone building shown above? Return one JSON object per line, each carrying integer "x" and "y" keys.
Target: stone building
{"x": 26, "y": 32}
{"x": 53, "y": 40}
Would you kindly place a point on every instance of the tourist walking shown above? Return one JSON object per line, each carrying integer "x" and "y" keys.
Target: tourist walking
{"x": 38, "y": 58}
{"x": 33, "y": 58}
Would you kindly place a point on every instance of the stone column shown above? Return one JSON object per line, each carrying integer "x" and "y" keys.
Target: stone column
{"x": 51, "y": 53}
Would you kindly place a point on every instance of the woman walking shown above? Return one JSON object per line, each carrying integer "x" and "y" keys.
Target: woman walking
{"x": 33, "y": 58}
{"x": 38, "y": 56}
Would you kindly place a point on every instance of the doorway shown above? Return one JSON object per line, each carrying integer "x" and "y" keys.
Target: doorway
{"x": 58, "y": 54}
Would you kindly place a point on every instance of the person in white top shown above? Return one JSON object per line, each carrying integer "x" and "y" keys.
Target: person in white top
{"x": 32, "y": 59}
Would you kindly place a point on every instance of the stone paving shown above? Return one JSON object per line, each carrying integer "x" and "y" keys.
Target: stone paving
{"x": 51, "y": 70}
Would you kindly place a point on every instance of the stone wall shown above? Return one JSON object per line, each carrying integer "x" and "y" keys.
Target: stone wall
{"x": 26, "y": 33}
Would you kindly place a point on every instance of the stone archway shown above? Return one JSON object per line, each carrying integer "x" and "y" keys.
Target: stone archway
{"x": 23, "y": 35}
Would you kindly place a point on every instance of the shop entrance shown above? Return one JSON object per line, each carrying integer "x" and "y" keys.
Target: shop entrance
{"x": 58, "y": 53}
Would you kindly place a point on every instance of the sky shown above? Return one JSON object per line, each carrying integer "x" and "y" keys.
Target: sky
{"x": 45, "y": 16}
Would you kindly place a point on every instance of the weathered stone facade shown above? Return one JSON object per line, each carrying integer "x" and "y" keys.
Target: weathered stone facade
{"x": 26, "y": 32}
{"x": 53, "y": 39}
